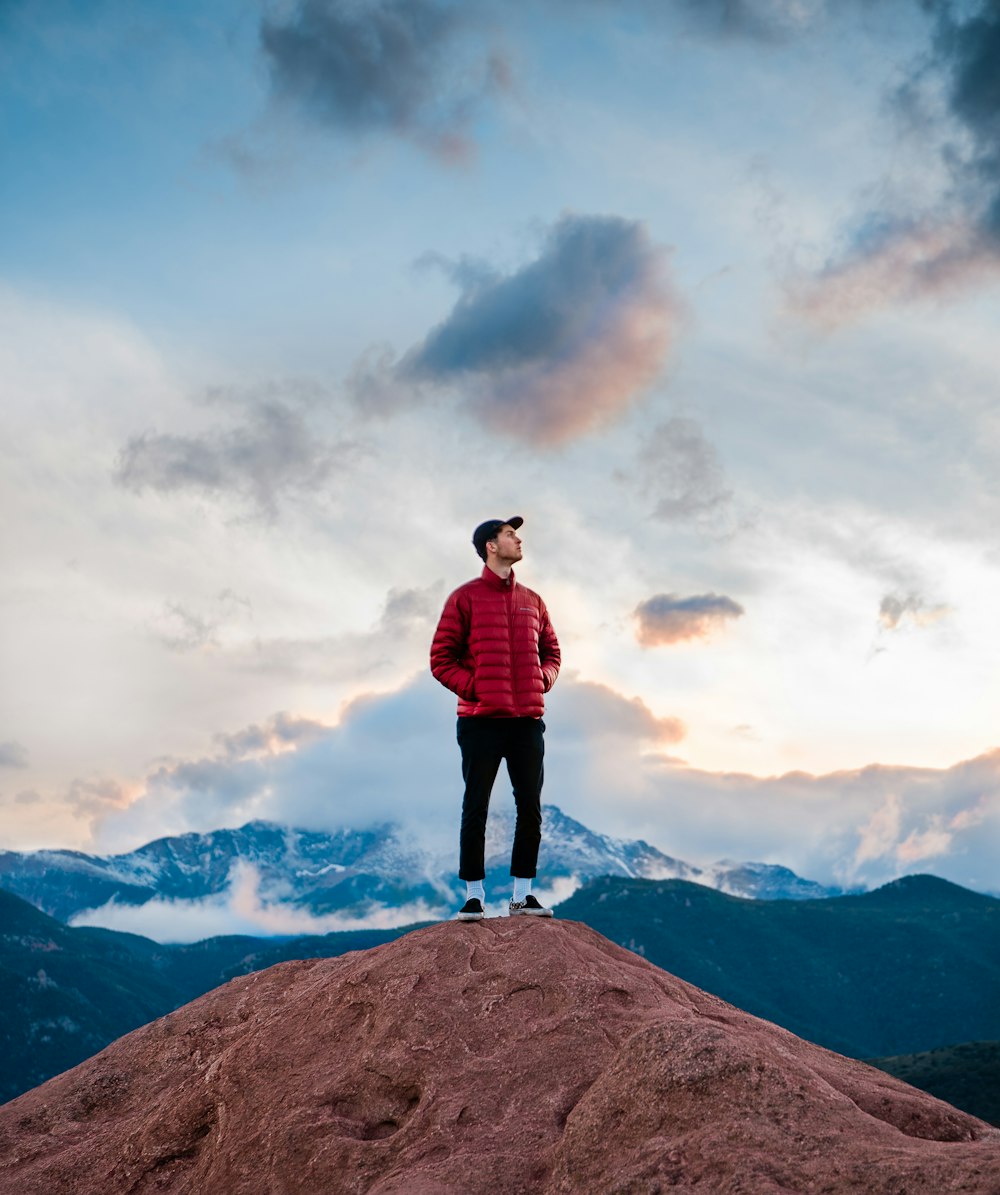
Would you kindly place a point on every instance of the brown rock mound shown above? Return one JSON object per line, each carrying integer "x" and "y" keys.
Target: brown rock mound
{"x": 505, "y": 1056}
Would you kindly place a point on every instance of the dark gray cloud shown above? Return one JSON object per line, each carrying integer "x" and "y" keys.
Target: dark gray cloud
{"x": 409, "y": 67}
{"x": 556, "y": 348}
{"x": 666, "y": 618}
{"x": 13, "y": 755}
{"x": 275, "y": 452}
{"x": 765, "y": 21}
{"x": 424, "y": 69}
{"x": 969, "y": 53}
{"x": 899, "y": 254}
{"x": 679, "y": 470}
{"x": 754, "y": 20}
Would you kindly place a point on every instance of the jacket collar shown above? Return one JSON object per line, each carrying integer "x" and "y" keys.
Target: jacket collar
{"x": 495, "y": 582}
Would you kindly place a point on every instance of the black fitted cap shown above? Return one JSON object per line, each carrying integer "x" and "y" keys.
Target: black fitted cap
{"x": 490, "y": 530}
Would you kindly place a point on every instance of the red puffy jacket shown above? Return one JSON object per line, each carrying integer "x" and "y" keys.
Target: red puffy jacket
{"x": 495, "y": 647}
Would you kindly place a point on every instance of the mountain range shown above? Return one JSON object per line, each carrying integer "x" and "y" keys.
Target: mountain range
{"x": 360, "y": 873}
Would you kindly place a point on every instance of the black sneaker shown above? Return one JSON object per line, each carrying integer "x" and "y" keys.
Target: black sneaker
{"x": 472, "y": 910}
{"x": 529, "y": 907}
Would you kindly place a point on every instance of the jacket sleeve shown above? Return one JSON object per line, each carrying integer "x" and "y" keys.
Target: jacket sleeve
{"x": 449, "y": 650}
{"x": 549, "y": 654}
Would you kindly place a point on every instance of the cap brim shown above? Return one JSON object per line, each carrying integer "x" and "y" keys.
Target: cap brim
{"x": 515, "y": 522}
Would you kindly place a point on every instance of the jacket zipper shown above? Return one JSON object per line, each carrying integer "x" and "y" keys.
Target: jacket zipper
{"x": 509, "y": 597}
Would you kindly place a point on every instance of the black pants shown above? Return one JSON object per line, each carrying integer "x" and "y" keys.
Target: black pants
{"x": 484, "y": 743}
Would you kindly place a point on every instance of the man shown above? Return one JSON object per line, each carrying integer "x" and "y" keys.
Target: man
{"x": 496, "y": 649}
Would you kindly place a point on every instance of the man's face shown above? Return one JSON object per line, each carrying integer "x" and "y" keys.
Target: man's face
{"x": 508, "y": 545}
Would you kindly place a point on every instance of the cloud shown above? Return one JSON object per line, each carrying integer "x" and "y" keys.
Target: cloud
{"x": 923, "y": 844}
{"x": 182, "y": 630}
{"x": 765, "y": 21}
{"x": 949, "y": 817}
{"x": 554, "y": 349}
{"x": 910, "y": 258}
{"x": 907, "y": 254}
{"x": 753, "y": 20}
{"x": 396, "y": 640}
{"x": 879, "y": 835}
{"x": 389, "y": 756}
{"x": 281, "y": 732}
{"x": 13, "y": 755}
{"x": 862, "y": 827}
{"x": 97, "y": 798}
{"x": 892, "y": 833}
{"x": 666, "y": 618}
{"x": 588, "y": 711}
{"x": 405, "y": 608}
{"x": 896, "y": 611}
{"x": 240, "y": 909}
{"x": 274, "y": 453}
{"x": 406, "y": 67}
{"x": 679, "y": 469}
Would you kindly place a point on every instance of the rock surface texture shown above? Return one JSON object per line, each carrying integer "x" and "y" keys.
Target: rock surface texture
{"x": 509, "y": 1055}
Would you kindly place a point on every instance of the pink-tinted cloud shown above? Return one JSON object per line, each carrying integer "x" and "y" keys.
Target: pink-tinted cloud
{"x": 909, "y": 261}
{"x": 924, "y": 844}
{"x": 559, "y": 347}
{"x": 281, "y": 732}
{"x": 589, "y": 711}
{"x": 665, "y": 618}
{"x": 879, "y": 835}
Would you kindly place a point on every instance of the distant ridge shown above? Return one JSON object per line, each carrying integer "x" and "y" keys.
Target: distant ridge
{"x": 357, "y": 873}
{"x": 906, "y": 968}
{"x": 68, "y": 992}
{"x": 507, "y": 1056}
{"x": 913, "y": 965}
{"x": 966, "y": 1075}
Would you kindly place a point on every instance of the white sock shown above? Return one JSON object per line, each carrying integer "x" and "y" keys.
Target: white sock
{"x": 521, "y": 889}
{"x": 474, "y": 890}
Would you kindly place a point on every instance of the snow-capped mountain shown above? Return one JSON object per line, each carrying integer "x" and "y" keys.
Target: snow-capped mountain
{"x": 353, "y": 871}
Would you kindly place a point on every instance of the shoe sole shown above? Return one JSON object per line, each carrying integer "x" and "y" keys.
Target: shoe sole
{"x": 531, "y": 913}
{"x": 470, "y": 916}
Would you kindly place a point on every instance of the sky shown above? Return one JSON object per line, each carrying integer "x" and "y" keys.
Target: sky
{"x": 294, "y": 295}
